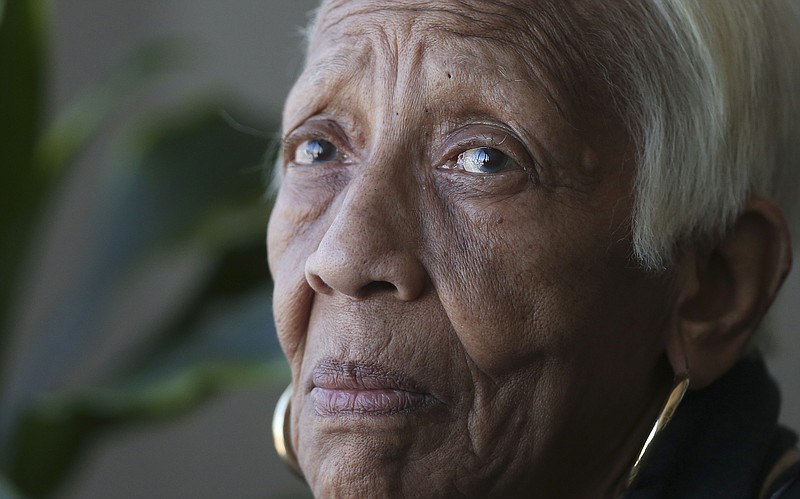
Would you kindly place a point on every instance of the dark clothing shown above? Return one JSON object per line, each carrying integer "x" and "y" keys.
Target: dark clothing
{"x": 787, "y": 486}
{"x": 722, "y": 442}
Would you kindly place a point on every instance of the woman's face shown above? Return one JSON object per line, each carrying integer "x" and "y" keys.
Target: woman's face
{"x": 454, "y": 289}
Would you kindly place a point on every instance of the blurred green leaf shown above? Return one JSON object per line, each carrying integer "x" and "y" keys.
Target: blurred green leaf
{"x": 185, "y": 174}
{"x": 233, "y": 330}
{"x": 7, "y": 490}
{"x": 22, "y": 86}
{"x": 233, "y": 306}
{"x": 73, "y": 129}
{"x": 22, "y": 59}
{"x": 190, "y": 183}
{"x": 32, "y": 169}
{"x": 185, "y": 181}
{"x": 60, "y": 428}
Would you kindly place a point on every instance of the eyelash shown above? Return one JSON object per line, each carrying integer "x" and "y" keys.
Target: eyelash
{"x": 508, "y": 145}
{"x": 291, "y": 143}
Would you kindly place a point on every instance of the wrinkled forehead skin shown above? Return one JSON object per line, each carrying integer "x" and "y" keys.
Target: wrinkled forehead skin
{"x": 549, "y": 35}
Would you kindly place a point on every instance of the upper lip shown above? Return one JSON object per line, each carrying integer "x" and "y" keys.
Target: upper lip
{"x": 352, "y": 375}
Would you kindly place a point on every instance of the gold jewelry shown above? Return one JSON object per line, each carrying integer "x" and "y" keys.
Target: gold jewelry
{"x": 679, "y": 387}
{"x": 281, "y": 431}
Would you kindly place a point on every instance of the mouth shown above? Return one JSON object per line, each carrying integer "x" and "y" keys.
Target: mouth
{"x": 352, "y": 388}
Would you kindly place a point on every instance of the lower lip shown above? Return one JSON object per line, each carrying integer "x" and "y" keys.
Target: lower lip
{"x": 383, "y": 402}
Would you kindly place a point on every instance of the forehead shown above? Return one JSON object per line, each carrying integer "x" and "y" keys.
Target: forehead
{"x": 523, "y": 39}
{"x": 537, "y": 25}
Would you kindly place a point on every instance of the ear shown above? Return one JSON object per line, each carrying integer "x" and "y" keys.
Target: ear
{"x": 723, "y": 293}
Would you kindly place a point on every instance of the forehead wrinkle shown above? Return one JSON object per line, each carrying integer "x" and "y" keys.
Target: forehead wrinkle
{"x": 394, "y": 50}
{"x": 544, "y": 34}
{"x": 401, "y": 58}
{"x": 402, "y": 51}
{"x": 324, "y": 76}
{"x": 472, "y": 22}
{"x": 338, "y": 62}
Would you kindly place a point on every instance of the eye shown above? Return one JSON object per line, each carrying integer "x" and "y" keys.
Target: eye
{"x": 482, "y": 160}
{"x": 313, "y": 151}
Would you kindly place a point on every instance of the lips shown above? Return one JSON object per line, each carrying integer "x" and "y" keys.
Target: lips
{"x": 352, "y": 388}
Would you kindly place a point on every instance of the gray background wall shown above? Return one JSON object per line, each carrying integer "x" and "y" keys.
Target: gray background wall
{"x": 251, "y": 46}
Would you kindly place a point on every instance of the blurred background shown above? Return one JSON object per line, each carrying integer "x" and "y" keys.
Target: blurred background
{"x": 138, "y": 351}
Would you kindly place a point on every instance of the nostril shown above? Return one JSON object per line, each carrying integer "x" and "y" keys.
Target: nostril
{"x": 348, "y": 269}
{"x": 376, "y": 287}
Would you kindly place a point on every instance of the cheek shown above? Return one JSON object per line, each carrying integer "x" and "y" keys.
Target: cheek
{"x": 299, "y": 219}
{"x": 292, "y": 235}
{"x": 518, "y": 289}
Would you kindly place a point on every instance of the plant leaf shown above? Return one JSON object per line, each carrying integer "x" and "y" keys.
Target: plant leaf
{"x": 22, "y": 43}
{"x": 7, "y": 490}
{"x": 73, "y": 129}
{"x": 167, "y": 190}
{"x": 232, "y": 344}
{"x": 190, "y": 184}
{"x": 54, "y": 433}
{"x": 236, "y": 328}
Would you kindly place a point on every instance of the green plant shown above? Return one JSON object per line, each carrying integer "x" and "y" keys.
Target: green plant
{"x": 179, "y": 184}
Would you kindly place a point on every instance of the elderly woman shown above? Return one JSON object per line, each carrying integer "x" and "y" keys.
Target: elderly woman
{"x": 511, "y": 233}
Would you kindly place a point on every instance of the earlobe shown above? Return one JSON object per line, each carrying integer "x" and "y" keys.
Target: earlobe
{"x": 725, "y": 291}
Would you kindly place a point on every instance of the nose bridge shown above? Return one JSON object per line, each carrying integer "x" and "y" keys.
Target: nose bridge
{"x": 370, "y": 244}
{"x": 372, "y": 220}
{"x": 381, "y": 196}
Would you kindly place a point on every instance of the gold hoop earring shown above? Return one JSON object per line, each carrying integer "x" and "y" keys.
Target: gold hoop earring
{"x": 281, "y": 431}
{"x": 679, "y": 388}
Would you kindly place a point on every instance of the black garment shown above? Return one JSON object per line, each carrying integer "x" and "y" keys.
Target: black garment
{"x": 787, "y": 486}
{"x": 722, "y": 442}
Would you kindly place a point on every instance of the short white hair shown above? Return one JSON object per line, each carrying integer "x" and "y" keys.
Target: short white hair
{"x": 710, "y": 92}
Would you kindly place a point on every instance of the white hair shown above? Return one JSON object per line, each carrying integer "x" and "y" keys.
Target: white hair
{"x": 710, "y": 92}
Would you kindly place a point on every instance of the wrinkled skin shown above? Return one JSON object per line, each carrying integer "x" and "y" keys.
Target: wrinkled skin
{"x": 509, "y": 297}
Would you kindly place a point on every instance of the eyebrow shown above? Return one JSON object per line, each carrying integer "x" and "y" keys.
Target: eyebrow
{"x": 323, "y": 78}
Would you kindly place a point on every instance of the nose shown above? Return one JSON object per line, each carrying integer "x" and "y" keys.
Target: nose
{"x": 370, "y": 246}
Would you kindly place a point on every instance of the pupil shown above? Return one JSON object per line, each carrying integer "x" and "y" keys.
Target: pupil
{"x": 320, "y": 150}
{"x": 484, "y": 157}
{"x": 490, "y": 160}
